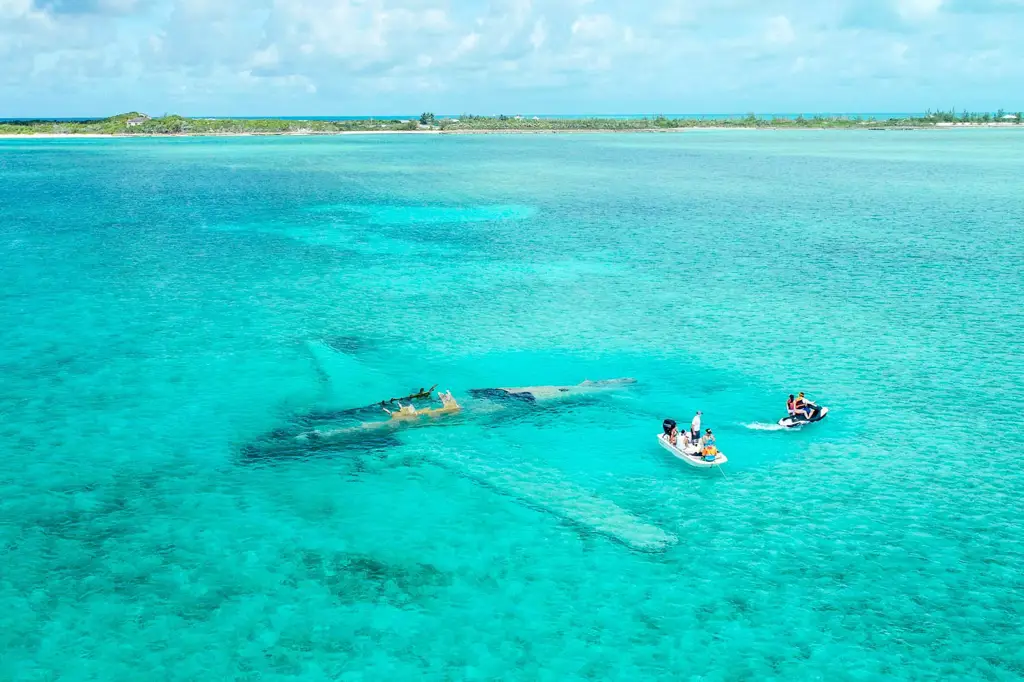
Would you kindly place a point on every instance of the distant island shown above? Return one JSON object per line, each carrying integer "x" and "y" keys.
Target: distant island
{"x": 137, "y": 124}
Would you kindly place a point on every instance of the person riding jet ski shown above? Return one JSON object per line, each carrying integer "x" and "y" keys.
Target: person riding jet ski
{"x": 805, "y": 406}
{"x": 799, "y": 407}
{"x": 800, "y": 411}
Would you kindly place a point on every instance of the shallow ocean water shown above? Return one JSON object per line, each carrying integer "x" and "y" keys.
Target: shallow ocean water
{"x": 175, "y": 314}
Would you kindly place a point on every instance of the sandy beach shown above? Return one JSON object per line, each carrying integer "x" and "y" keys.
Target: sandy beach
{"x": 44, "y": 136}
{"x": 310, "y": 133}
{"x": 313, "y": 133}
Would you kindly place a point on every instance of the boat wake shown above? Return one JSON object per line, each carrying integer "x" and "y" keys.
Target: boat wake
{"x": 763, "y": 426}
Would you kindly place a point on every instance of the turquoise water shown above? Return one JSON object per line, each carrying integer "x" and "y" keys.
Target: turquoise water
{"x": 179, "y": 315}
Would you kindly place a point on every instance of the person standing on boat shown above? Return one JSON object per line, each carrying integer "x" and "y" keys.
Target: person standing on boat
{"x": 695, "y": 427}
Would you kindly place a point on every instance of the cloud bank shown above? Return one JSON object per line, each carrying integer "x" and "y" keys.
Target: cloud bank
{"x": 334, "y": 57}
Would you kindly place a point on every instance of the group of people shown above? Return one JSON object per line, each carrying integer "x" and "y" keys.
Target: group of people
{"x": 704, "y": 444}
{"x": 800, "y": 406}
{"x": 689, "y": 440}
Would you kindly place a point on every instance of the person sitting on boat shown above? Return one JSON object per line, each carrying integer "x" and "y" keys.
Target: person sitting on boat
{"x": 671, "y": 432}
{"x": 708, "y": 449}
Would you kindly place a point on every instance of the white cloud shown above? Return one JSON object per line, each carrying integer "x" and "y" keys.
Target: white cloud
{"x": 467, "y": 44}
{"x": 539, "y": 34}
{"x": 266, "y": 57}
{"x": 594, "y": 28}
{"x": 676, "y": 13}
{"x": 918, "y": 9}
{"x": 15, "y": 9}
{"x": 24, "y": 11}
{"x": 780, "y": 31}
{"x": 202, "y": 56}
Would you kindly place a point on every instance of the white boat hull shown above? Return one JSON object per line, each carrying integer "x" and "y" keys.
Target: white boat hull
{"x": 693, "y": 457}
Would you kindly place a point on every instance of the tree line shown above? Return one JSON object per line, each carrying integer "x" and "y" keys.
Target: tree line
{"x": 134, "y": 123}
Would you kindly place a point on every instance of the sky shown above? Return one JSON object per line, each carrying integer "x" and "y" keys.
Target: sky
{"x": 363, "y": 57}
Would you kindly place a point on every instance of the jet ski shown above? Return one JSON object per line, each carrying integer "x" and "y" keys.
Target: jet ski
{"x": 799, "y": 419}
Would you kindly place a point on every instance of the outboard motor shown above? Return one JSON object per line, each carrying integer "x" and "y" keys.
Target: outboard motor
{"x": 668, "y": 425}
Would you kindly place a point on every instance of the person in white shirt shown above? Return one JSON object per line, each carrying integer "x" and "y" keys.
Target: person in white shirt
{"x": 695, "y": 427}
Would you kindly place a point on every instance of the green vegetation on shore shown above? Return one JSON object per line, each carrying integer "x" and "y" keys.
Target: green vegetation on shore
{"x": 138, "y": 124}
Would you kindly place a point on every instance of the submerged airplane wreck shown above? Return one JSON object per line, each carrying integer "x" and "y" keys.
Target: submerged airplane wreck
{"x": 404, "y": 423}
{"x": 371, "y": 425}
